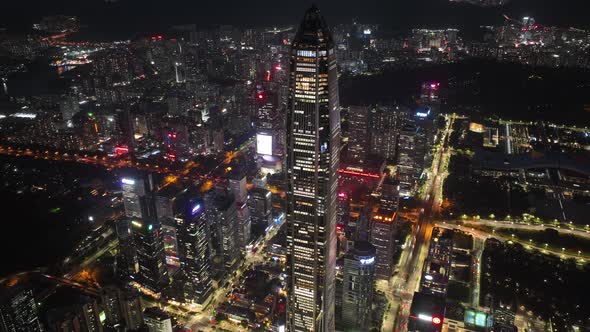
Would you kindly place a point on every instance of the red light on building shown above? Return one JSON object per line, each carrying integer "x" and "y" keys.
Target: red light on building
{"x": 436, "y": 320}
{"x": 370, "y": 175}
{"x": 260, "y": 96}
{"x": 278, "y": 68}
{"x": 121, "y": 150}
{"x": 342, "y": 195}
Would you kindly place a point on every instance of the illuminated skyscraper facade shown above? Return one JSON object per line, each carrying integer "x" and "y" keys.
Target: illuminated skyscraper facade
{"x": 194, "y": 248}
{"x": 313, "y": 139}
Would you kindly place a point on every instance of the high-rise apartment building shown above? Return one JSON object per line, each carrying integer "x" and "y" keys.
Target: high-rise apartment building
{"x": 384, "y": 127}
{"x": 313, "y": 148}
{"x": 18, "y": 309}
{"x": 359, "y": 134}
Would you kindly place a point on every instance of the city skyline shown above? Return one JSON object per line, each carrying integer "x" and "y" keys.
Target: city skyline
{"x": 136, "y": 17}
{"x": 409, "y": 166}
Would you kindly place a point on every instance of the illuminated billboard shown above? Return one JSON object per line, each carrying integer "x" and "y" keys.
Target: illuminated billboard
{"x": 264, "y": 144}
{"x": 367, "y": 261}
{"x": 476, "y": 318}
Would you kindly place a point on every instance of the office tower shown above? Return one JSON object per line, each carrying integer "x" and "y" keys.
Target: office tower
{"x": 437, "y": 265}
{"x": 131, "y": 309}
{"x": 382, "y": 235}
{"x": 389, "y": 199}
{"x": 69, "y": 107}
{"x": 165, "y": 199}
{"x": 313, "y": 139}
{"x": 221, "y": 216}
{"x": 407, "y": 160}
{"x": 195, "y": 254}
{"x": 358, "y": 285}
{"x": 429, "y": 94}
{"x": 122, "y": 308}
{"x": 237, "y": 184}
{"x": 359, "y": 134}
{"x": 18, "y": 309}
{"x": 157, "y": 320}
{"x": 260, "y": 204}
{"x": 127, "y": 265}
{"x": 137, "y": 190}
{"x": 149, "y": 245}
{"x": 384, "y": 127}
{"x": 110, "y": 299}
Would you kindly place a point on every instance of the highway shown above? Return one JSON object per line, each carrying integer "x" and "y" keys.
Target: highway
{"x": 406, "y": 281}
{"x": 564, "y": 229}
{"x": 482, "y": 235}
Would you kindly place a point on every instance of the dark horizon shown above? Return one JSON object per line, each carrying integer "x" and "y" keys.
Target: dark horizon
{"x": 124, "y": 18}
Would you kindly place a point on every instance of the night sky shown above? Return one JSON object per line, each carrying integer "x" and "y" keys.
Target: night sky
{"x": 125, "y": 18}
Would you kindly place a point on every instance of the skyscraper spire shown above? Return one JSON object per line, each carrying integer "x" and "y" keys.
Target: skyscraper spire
{"x": 313, "y": 139}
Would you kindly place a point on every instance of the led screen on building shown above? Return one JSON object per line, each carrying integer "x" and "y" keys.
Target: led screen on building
{"x": 264, "y": 144}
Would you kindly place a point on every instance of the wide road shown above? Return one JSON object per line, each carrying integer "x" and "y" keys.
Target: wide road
{"x": 483, "y": 235}
{"x": 565, "y": 228}
{"x": 406, "y": 282}
{"x": 85, "y": 157}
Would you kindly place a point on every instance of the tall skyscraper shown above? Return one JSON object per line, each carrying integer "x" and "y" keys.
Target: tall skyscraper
{"x": 358, "y": 140}
{"x": 382, "y": 235}
{"x": 358, "y": 286}
{"x": 385, "y": 126}
{"x": 137, "y": 193}
{"x": 151, "y": 258}
{"x": 122, "y": 308}
{"x": 260, "y": 204}
{"x": 313, "y": 145}
{"x": 238, "y": 186}
{"x": 195, "y": 254}
{"x": 221, "y": 216}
